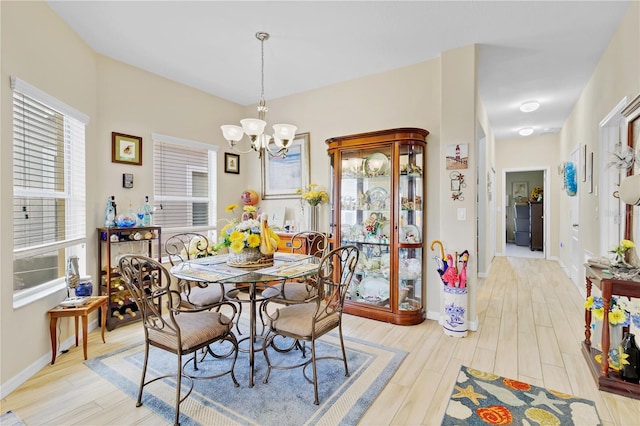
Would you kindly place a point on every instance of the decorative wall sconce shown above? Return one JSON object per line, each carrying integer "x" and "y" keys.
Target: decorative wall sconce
{"x": 457, "y": 183}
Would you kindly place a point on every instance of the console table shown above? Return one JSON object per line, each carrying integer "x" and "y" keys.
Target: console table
{"x": 606, "y": 379}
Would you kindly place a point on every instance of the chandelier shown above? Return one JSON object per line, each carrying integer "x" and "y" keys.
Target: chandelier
{"x": 283, "y": 134}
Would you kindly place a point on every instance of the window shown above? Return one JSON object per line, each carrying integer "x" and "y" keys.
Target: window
{"x": 49, "y": 209}
{"x": 184, "y": 186}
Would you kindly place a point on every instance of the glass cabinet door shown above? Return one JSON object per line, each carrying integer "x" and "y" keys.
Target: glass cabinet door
{"x": 365, "y": 220}
{"x": 410, "y": 229}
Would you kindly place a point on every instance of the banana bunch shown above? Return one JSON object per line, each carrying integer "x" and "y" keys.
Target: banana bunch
{"x": 268, "y": 238}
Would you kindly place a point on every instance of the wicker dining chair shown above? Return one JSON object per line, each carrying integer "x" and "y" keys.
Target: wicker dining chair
{"x": 313, "y": 318}
{"x": 172, "y": 328}
{"x": 189, "y": 246}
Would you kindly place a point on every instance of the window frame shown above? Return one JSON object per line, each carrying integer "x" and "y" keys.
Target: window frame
{"x": 74, "y": 167}
{"x": 212, "y": 155}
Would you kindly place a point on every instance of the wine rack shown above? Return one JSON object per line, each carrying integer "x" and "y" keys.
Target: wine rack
{"x": 112, "y": 243}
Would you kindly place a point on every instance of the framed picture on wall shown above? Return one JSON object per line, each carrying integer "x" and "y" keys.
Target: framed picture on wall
{"x": 283, "y": 176}
{"x": 520, "y": 191}
{"x": 231, "y": 163}
{"x": 126, "y": 149}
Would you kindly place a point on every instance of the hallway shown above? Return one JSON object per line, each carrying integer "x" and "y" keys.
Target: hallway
{"x": 513, "y": 250}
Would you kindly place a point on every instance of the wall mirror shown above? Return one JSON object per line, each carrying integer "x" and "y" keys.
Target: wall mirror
{"x": 632, "y": 117}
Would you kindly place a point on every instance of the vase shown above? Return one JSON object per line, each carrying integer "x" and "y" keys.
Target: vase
{"x": 84, "y": 289}
{"x": 615, "y": 335}
{"x": 630, "y": 372}
{"x": 314, "y": 213}
{"x": 455, "y": 310}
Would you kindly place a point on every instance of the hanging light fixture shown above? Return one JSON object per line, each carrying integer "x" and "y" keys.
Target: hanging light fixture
{"x": 283, "y": 134}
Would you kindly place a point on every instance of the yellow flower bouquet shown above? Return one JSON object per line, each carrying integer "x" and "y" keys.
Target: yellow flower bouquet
{"x": 621, "y": 250}
{"x": 246, "y": 233}
{"x": 313, "y": 195}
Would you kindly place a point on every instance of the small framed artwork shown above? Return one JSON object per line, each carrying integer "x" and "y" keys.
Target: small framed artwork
{"x": 126, "y": 149}
{"x": 583, "y": 159}
{"x": 590, "y": 173}
{"x": 283, "y": 176}
{"x": 457, "y": 156}
{"x": 520, "y": 191}
{"x": 231, "y": 163}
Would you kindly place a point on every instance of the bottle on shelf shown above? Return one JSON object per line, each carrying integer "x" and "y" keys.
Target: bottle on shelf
{"x": 147, "y": 212}
{"x": 115, "y": 298}
{"x": 110, "y": 213}
{"x": 117, "y": 314}
{"x": 130, "y": 312}
{"x": 630, "y": 372}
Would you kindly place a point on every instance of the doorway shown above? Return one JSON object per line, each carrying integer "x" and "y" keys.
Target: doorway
{"x": 525, "y": 225}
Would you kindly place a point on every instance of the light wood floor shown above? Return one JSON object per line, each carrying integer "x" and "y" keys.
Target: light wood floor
{"x": 531, "y": 324}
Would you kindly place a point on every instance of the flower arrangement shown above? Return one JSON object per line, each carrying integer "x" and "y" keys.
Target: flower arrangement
{"x": 238, "y": 235}
{"x": 622, "y": 249}
{"x": 617, "y": 314}
{"x": 313, "y": 195}
{"x": 537, "y": 193}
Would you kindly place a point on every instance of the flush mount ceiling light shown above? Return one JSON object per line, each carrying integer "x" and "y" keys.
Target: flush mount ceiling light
{"x": 529, "y": 106}
{"x": 525, "y": 131}
{"x": 283, "y": 134}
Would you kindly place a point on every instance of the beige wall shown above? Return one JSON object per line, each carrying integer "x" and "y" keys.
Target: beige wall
{"x": 405, "y": 97}
{"x": 116, "y": 97}
{"x": 616, "y": 76}
{"x": 71, "y": 77}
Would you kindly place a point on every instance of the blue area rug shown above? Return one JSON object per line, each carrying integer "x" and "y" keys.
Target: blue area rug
{"x": 287, "y": 399}
{"x": 480, "y": 398}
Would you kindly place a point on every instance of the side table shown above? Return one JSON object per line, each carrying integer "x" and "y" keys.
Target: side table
{"x": 76, "y": 312}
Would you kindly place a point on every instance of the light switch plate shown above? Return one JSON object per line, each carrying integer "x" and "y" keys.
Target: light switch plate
{"x": 462, "y": 213}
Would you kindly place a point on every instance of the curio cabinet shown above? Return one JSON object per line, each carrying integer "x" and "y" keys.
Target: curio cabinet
{"x": 378, "y": 186}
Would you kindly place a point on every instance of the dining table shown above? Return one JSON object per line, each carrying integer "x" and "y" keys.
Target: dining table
{"x": 214, "y": 270}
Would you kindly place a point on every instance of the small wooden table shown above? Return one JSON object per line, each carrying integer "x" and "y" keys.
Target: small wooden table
{"x": 606, "y": 379}
{"x": 80, "y": 311}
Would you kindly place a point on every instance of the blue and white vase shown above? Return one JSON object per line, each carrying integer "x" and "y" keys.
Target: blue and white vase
{"x": 455, "y": 302}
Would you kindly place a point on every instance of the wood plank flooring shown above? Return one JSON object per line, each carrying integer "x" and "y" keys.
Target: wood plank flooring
{"x": 531, "y": 325}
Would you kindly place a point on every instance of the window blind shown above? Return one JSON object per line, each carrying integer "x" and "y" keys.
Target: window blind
{"x": 184, "y": 184}
{"x": 49, "y": 208}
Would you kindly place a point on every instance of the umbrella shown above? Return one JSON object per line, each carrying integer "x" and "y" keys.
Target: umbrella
{"x": 464, "y": 258}
{"x": 450, "y": 276}
{"x": 440, "y": 261}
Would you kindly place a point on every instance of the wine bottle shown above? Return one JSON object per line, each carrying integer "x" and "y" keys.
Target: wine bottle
{"x": 110, "y": 213}
{"x": 146, "y": 208}
{"x": 630, "y": 372}
{"x": 117, "y": 314}
{"x": 115, "y": 298}
{"x": 130, "y": 312}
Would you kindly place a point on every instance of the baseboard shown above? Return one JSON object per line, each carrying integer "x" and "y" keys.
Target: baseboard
{"x": 13, "y": 383}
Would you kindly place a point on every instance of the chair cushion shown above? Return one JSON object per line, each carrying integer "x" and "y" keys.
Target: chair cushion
{"x": 293, "y": 291}
{"x": 209, "y": 295}
{"x": 196, "y": 328}
{"x": 298, "y": 319}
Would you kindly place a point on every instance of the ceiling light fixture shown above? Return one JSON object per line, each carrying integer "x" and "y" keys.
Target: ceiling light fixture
{"x": 525, "y": 131}
{"x": 529, "y": 106}
{"x": 283, "y": 134}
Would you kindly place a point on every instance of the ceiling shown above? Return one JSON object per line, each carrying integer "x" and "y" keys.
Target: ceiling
{"x": 541, "y": 50}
